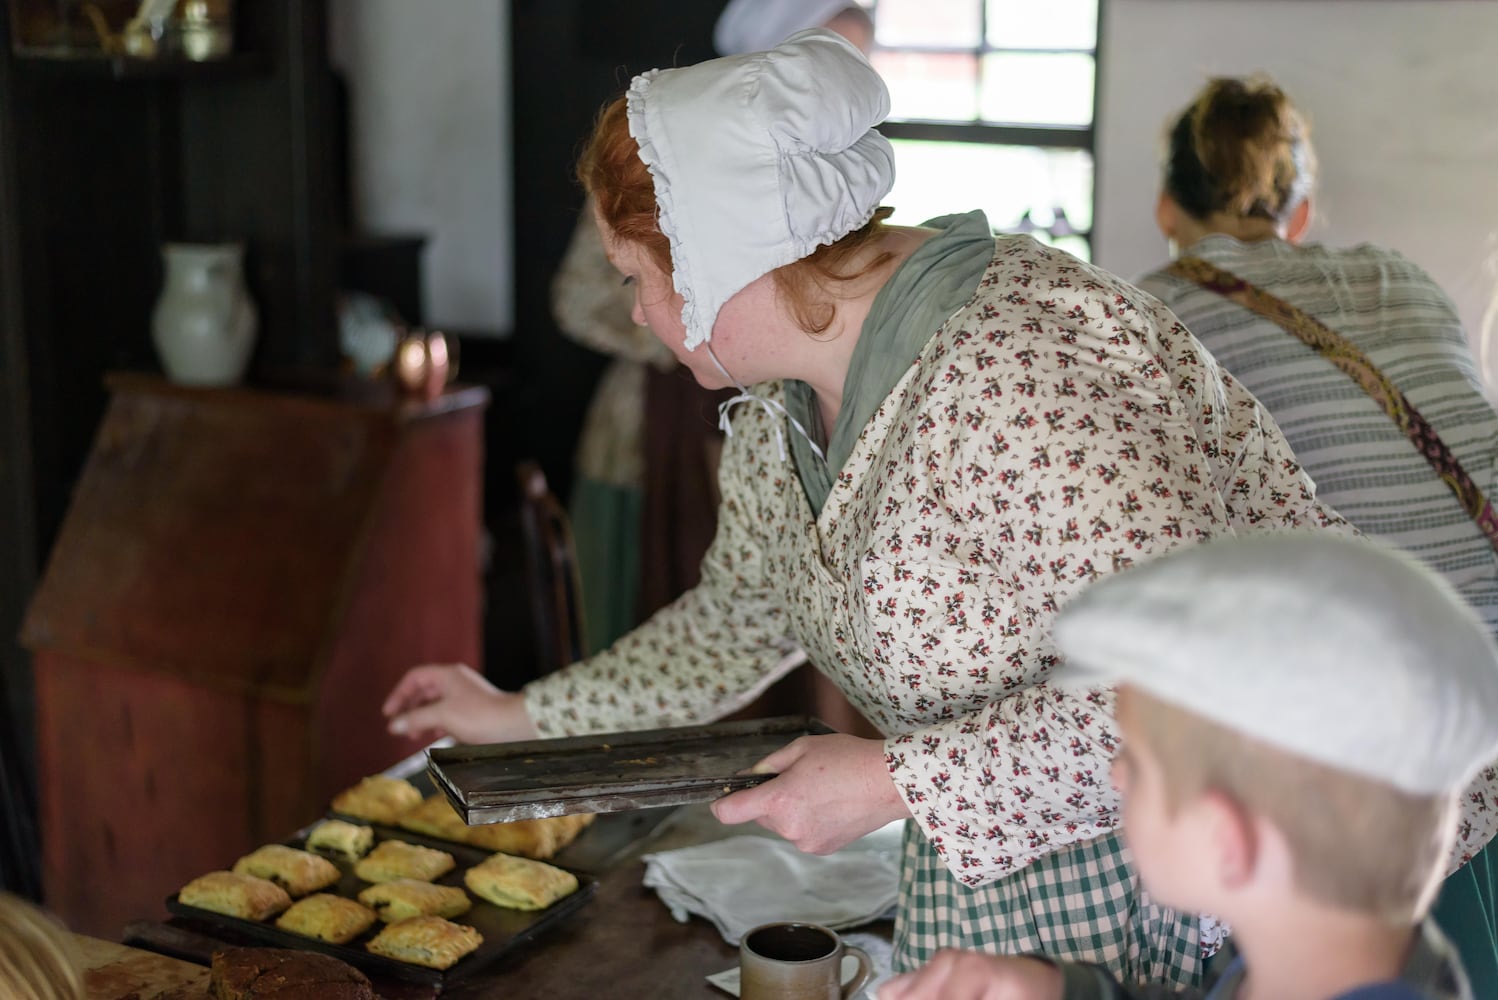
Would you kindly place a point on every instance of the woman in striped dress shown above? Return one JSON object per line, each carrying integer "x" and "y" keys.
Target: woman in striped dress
{"x": 1237, "y": 194}
{"x": 949, "y": 434}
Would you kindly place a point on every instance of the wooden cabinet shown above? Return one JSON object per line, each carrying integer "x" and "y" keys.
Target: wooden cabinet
{"x": 101, "y": 162}
{"x": 240, "y": 579}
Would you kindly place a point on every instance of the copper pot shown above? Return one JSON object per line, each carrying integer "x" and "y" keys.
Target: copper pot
{"x": 422, "y": 365}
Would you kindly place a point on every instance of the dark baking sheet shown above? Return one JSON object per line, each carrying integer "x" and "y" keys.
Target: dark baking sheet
{"x": 503, "y": 929}
{"x": 596, "y": 850}
{"x": 609, "y": 772}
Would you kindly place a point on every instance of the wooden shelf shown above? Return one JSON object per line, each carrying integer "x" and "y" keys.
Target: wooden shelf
{"x": 99, "y": 66}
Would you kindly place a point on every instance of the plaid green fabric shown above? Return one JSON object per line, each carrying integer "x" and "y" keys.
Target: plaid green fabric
{"x": 1083, "y": 903}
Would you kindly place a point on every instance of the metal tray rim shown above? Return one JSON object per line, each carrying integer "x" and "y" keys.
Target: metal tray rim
{"x": 602, "y": 793}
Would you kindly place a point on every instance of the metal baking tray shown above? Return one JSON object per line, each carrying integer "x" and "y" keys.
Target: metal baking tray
{"x": 503, "y": 929}
{"x": 609, "y": 772}
{"x": 597, "y": 850}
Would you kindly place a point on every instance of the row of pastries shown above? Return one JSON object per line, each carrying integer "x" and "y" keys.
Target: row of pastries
{"x": 286, "y": 883}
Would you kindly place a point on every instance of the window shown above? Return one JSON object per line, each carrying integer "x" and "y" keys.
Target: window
{"x": 992, "y": 108}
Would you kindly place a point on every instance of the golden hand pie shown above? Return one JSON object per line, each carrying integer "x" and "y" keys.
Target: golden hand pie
{"x": 519, "y": 883}
{"x": 337, "y": 837}
{"x": 243, "y": 896}
{"x": 529, "y": 838}
{"x": 298, "y": 872}
{"x": 379, "y": 798}
{"x": 435, "y": 817}
{"x": 406, "y": 897}
{"x": 394, "y": 859}
{"x": 430, "y": 941}
{"x": 328, "y": 918}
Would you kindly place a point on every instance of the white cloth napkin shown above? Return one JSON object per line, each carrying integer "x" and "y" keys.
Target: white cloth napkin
{"x": 742, "y": 882}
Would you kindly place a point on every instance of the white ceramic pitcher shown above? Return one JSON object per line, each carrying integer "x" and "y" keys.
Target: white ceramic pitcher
{"x": 204, "y": 323}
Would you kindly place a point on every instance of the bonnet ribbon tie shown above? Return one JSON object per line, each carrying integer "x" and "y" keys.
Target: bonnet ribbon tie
{"x": 771, "y": 407}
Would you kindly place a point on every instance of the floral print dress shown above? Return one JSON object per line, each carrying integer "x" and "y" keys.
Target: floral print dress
{"x": 1059, "y": 427}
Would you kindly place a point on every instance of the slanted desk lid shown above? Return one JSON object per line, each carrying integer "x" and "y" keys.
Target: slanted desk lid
{"x": 215, "y": 534}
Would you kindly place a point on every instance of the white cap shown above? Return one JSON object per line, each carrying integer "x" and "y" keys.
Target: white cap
{"x": 758, "y": 160}
{"x": 1335, "y": 649}
{"x": 756, "y": 25}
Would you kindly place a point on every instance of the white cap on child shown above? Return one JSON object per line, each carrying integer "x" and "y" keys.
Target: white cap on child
{"x": 1335, "y": 649}
{"x": 757, "y": 160}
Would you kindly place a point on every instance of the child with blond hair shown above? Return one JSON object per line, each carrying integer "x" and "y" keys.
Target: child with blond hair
{"x": 38, "y": 959}
{"x": 1299, "y": 715}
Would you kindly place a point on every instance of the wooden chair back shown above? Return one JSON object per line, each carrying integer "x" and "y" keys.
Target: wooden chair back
{"x": 551, "y": 567}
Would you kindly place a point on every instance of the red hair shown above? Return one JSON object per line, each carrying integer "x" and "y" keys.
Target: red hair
{"x": 612, "y": 172}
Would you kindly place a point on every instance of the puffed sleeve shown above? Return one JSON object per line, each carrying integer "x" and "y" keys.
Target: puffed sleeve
{"x": 707, "y": 654}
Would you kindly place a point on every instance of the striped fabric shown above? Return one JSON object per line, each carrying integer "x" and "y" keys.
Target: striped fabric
{"x": 1083, "y": 902}
{"x": 1363, "y": 464}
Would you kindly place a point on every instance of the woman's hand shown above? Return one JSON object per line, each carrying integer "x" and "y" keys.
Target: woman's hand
{"x": 830, "y": 791}
{"x": 438, "y": 700}
{"x": 972, "y": 975}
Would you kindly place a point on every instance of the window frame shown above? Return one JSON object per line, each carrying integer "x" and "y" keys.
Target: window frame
{"x": 1063, "y": 137}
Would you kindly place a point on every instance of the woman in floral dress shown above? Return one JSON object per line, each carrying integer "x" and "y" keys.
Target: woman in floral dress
{"x": 949, "y": 434}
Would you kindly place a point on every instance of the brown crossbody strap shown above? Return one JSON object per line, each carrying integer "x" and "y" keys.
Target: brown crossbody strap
{"x": 1345, "y": 355}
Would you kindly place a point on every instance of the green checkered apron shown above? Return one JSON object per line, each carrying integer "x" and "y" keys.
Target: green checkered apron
{"x": 1083, "y": 902}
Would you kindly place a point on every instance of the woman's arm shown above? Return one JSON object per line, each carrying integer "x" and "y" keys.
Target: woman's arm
{"x": 708, "y": 653}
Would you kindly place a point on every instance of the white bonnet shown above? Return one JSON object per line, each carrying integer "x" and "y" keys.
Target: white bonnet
{"x": 1331, "y": 648}
{"x": 758, "y": 160}
{"x": 756, "y": 25}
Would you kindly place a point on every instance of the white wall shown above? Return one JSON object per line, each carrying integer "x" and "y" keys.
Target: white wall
{"x": 1403, "y": 98}
{"x": 429, "y": 87}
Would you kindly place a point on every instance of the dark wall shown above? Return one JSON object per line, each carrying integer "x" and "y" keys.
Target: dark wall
{"x": 569, "y": 57}
{"x": 100, "y": 164}
{"x": 19, "y": 871}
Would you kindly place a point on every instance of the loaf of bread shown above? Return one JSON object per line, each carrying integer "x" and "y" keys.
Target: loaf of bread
{"x": 406, "y": 897}
{"x": 378, "y": 798}
{"x": 334, "y": 836}
{"x": 298, "y": 872}
{"x": 235, "y": 895}
{"x": 394, "y": 859}
{"x": 327, "y": 917}
{"x": 430, "y": 941}
{"x": 284, "y": 974}
{"x": 519, "y": 883}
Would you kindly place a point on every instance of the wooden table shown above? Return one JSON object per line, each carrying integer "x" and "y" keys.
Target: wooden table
{"x": 623, "y": 945}
{"x": 116, "y": 972}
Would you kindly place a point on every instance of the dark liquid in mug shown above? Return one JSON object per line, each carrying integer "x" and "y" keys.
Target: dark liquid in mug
{"x": 792, "y": 943}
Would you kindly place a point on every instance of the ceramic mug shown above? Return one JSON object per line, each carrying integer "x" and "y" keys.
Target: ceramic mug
{"x": 795, "y": 961}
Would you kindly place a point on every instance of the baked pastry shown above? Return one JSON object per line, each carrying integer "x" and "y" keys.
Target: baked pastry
{"x": 284, "y": 974}
{"x": 430, "y": 941}
{"x": 394, "y": 859}
{"x": 406, "y": 897}
{"x": 379, "y": 798}
{"x": 298, "y": 872}
{"x": 236, "y": 895}
{"x": 328, "y": 918}
{"x": 435, "y": 817}
{"x": 519, "y": 883}
{"x": 529, "y": 838}
{"x": 334, "y": 836}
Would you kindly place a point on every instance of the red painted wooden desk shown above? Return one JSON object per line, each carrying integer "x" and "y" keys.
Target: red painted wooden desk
{"x": 242, "y": 576}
